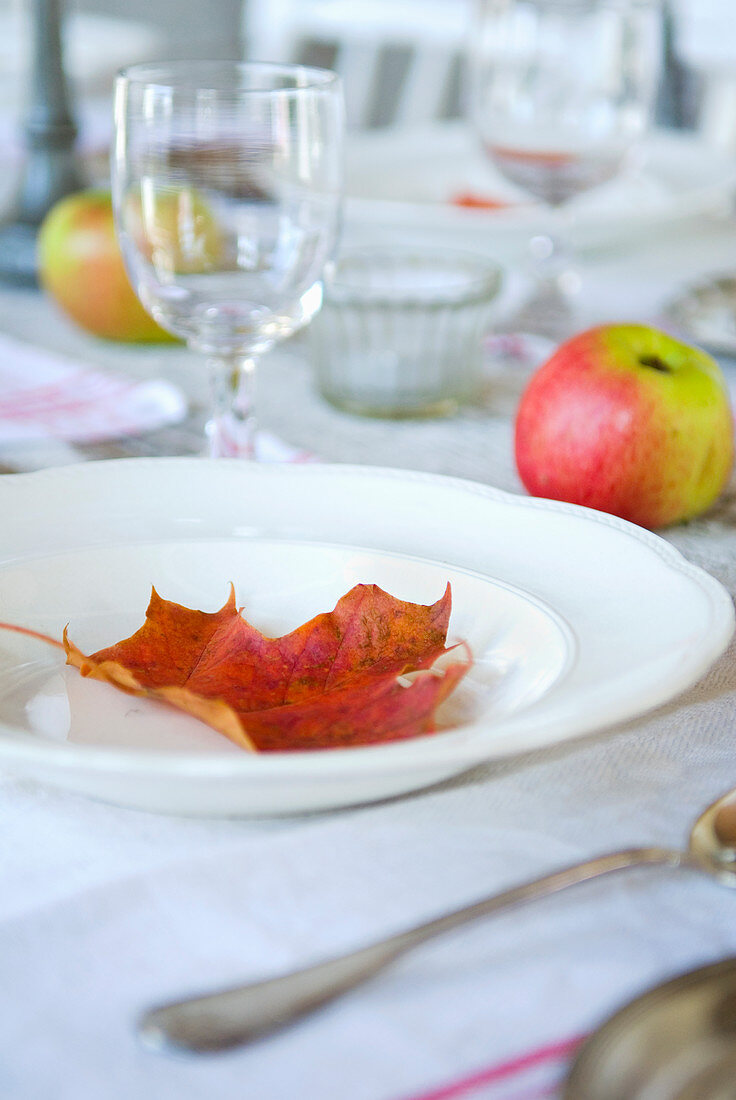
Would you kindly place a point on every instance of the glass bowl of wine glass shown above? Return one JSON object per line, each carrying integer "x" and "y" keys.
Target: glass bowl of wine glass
{"x": 562, "y": 92}
{"x": 227, "y": 188}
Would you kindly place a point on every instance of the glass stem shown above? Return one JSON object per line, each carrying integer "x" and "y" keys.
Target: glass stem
{"x": 552, "y": 255}
{"x": 231, "y": 431}
{"x": 550, "y": 312}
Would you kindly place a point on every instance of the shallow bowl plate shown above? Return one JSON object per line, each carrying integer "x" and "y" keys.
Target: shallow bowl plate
{"x": 576, "y": 620}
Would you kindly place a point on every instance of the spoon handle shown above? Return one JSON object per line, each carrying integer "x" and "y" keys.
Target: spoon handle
{"x": 237, "y": 1016}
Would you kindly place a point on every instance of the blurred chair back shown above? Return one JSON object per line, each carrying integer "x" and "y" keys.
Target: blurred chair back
{"x": 704, "y": 46}
{"x": 399, "y": 59}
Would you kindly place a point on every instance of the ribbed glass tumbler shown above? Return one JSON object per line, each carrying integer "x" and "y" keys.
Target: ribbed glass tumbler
{"x": 400, "y": 331}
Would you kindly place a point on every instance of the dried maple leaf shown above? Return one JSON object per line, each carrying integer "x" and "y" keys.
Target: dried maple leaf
{"x": 337, "y": 680}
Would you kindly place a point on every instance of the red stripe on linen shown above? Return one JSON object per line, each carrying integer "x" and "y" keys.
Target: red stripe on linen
{"x": 502, "y": 1071}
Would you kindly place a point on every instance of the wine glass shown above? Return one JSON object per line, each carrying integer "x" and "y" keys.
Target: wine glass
{"x": 561, "y": 92}
{"x": 227, "y": 185}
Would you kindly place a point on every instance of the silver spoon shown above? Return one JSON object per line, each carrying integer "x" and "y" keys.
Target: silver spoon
{"x": 239, "y": 1015}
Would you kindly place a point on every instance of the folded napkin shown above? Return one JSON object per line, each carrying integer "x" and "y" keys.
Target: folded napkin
{"x": 47, "y": 396}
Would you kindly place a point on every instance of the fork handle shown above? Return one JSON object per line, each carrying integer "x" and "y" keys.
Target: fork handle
{"x": 239, "y": 1015}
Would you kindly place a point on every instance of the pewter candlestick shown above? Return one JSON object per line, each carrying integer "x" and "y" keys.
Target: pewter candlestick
{"x": 51, "y": 168}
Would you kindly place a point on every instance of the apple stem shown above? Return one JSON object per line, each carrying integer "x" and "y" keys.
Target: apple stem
{"x": 655, "y": 363}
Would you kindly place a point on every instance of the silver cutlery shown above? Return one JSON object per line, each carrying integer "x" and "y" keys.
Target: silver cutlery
{"x": 233, "y": 1017}
{"x": 677, "y": 1041}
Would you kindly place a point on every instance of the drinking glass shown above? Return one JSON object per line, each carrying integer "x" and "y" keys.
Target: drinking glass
{"x": 561, "y": 92}
{"x": 227, "y": 185}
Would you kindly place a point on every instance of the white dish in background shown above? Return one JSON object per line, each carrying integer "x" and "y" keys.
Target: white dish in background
{"x": 577, "y": 620}
{"x": 404, "y": 181}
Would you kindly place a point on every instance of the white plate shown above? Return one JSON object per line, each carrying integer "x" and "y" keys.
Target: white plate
{"x": 404, "y": 181}
{"x": 577, "y": 620}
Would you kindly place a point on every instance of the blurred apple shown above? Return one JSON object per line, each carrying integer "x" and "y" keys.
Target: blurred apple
{"x": 628, "y": 420}
{"x": 175, "y": 230}
{"x": 80, "y": 265}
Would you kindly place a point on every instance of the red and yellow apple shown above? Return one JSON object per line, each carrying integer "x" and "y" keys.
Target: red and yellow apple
{"x": 628, "y": 420}
{"x": 176, "y": 231}
{"x": 81, "y": 267}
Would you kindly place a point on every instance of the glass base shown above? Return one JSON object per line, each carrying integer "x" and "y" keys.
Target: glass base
{"x": 439, "y": 407}
{"x": 222, "y": 443}
{"x": 509, "y": 362}
{"x": 548, "y": 313}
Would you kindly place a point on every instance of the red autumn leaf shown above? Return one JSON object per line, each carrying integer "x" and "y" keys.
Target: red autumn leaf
{"x": 332, "y": 682}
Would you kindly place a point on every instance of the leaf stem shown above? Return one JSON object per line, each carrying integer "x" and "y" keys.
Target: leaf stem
{"x": 32, "y": 634}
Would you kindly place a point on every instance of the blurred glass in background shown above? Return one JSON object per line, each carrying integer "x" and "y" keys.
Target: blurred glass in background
{"x": 402, "y": 61}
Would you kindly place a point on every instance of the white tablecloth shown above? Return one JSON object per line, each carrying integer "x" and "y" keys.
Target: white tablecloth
{"x": 105, "y": 910}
